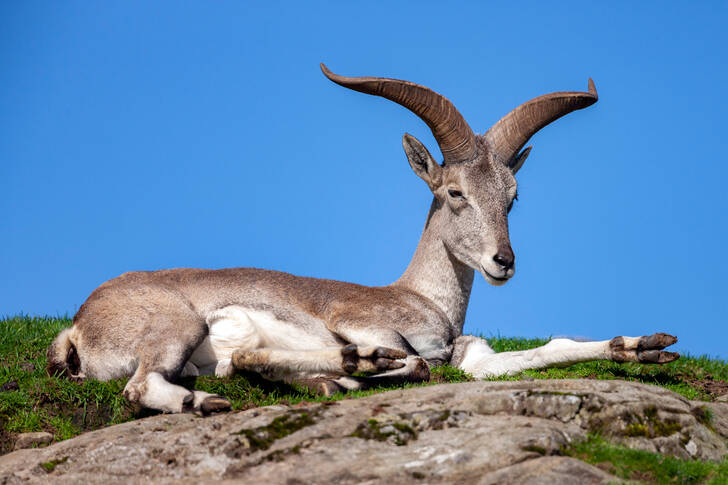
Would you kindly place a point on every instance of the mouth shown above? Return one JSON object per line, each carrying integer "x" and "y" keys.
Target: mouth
{"x": 494, "y": 280}
{"x": 505, "y": 278}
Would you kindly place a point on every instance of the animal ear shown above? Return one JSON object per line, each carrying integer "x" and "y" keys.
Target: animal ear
{"x": 421, "y": 161}
{"x": 517, "y": 162}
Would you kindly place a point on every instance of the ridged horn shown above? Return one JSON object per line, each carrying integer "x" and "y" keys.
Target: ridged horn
{"x": 453, "y": 134}
{"x": 508, "y": 136}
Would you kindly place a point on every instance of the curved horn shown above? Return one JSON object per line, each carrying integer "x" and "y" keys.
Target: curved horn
{"x": 509, "y": 135}
{"x": 453, "y": 134}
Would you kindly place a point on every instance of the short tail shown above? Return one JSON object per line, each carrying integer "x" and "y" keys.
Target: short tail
{"x": 62, "y": 356}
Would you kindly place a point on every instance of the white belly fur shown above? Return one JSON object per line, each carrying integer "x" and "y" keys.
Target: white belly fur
{"x": 235, "y": 327}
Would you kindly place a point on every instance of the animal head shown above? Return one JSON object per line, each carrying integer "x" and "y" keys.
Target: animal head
{"x": 475, "y": 185}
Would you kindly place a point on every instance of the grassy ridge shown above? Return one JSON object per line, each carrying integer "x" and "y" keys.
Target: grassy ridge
{"x": 644, "y": 467}
{"x": 30, "y": 400}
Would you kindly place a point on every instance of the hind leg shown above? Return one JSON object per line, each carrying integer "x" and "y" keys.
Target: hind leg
{"x": 323, "y": 385}
{"x": 152, "y": 390}
{"x": 162, "y": 357}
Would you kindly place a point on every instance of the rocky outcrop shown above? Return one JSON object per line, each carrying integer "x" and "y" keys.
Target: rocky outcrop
{"x": 475, "y": 432}
{"x": 29, "y": 440}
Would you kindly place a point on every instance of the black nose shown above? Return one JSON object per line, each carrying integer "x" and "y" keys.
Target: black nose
{"x": 505, "y": 258}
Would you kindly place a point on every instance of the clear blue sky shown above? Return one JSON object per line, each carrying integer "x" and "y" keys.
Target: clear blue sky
{"x": 149, "y": 135}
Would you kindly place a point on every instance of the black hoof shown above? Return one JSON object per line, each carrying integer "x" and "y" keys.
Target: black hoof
{"x": 214, "y": 404}
{"x": 657, "y": 356}
{"x": 188, "y": 403}
{"x": 328, "y": 388}
{"x": 350, "y": 358}
{"x": 387, "y": 353}
{"x": 388, "y": 364}
{"x": 656, "y": 341}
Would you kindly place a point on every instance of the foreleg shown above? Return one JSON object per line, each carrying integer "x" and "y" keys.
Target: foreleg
{"x": 370, "y": 336}
{"x": 279, "y": 364}
{"x": 473, "y": 355}
{"x": 414, "y": 369}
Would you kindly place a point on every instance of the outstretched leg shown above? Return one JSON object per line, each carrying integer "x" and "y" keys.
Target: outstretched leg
{"x": 473, "y": 355}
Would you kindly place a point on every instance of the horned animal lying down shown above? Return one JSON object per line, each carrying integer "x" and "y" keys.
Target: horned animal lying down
{"x": 157, "y": 326}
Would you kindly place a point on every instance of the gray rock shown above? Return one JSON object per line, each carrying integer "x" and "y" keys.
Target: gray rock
{"x": 29, "y": 440}
{"x": 549, "y": 470}
{"x": 719, "y": 420}
{"x": 487, "y": 432}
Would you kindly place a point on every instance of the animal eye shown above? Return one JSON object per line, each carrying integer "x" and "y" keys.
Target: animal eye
{"x": 455, "y": 194}
{"x": 515, "y": 198}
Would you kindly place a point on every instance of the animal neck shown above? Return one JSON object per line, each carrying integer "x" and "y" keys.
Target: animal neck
{"x": 436, "y": 274}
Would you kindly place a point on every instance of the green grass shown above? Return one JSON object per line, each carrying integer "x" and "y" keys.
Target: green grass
{"x": 34, "y": 401}
{"x": 644, "y": 467}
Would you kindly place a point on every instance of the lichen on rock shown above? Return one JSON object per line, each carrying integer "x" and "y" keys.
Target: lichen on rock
{"x": 500, "y": 432}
